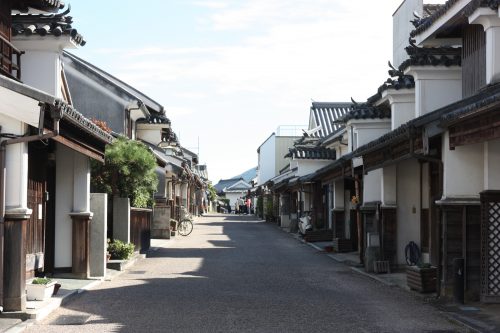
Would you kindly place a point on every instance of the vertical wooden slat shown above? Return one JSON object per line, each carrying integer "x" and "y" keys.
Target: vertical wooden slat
{"x": 473, "y": 60}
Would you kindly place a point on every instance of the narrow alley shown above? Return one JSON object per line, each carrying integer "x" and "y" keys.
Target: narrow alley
{"x": 237, "y": 274}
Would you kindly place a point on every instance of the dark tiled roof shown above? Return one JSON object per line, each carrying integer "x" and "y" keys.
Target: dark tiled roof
{"x": 484, "y": 98}
{"x": 325, "y": 114}
{"x": 366, "y": 111}
{"x": 223, "y": 183}
{"x": 150, "y": 104}
{"x": 397, "y": 80}
{"x": 425, "y": 23}
{"x": 154, "y": 119}
{"x": 311, "y": 153}
{"x": 445, "y": 115}
{"x": 45, "y": 5}
{"x": 431, "y": 56}
{"x": 43, "y": 25}
{"x": 332, "y": 166}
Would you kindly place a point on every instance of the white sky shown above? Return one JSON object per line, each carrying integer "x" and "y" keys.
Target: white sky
{"x": 230, "y": 72}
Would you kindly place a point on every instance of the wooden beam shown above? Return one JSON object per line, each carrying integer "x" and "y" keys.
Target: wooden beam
{"x": 79, "y": 148}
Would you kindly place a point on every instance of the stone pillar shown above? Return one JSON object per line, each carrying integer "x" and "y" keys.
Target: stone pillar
{"x": 121, "y": 219}
{"x": 14, "y": 280}
{"x": 98, "y": 233}
{"x": 490, "y": 21}
{"x": 80, "y": 258}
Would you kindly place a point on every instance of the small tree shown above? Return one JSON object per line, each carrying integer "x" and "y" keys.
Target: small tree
{"x": 128, "y": 171}
{"x": 212, "y": 193}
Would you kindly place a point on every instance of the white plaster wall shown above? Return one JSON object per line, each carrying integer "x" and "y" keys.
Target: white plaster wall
{"x": 233, "y": 196}
{"x": 16, "y": 164}
{"x": 491, "y": 165}
{"x": 388, "y": 185}
{"x": 432, "y": 94}
{"x": 401, "y": 113}
{"x": 408, "y": 197}
{"x": 372, "y": 183}
{"x": 463, "y": 170}
{"x": 81, "y": 181}
{"x": 267, "y": 162}
{"x": 283, "y": 143}
{"x": 369, "y": 131}
{"x": 64, "y": 206}
{"x": 338, "y": 194}
{"x": 425, "y": 186}
{"x": 306, "y": 196}
{"x": 402, "y": 28}
{"x": 151, "y": 135}
{"x": 42, "y": 70}
{"x": 309, "y": 166}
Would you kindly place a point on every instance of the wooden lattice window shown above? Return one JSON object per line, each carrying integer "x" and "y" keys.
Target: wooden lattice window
{"x": 490, "y": 246}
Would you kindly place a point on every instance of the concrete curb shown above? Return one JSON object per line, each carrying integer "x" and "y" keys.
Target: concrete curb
{"x": 34, "y": 317}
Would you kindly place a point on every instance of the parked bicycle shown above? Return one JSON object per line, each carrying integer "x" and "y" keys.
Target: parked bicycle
{"x": 185, "y": 226}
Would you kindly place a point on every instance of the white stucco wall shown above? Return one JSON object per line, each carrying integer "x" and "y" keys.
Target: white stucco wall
{"x": 306, "y": 167}
{"x": 16, "y": 164}
{"x": 463, "y": 170}
{"x": 369, "y": 130}
{"x": 401, "y": 113}
{"x": 64, "y": 206}
{"x": 267, "y": 161}
{"x": 42, "y": 70}
{"x": 408, "y": 216}
{"x": 372, "y": 183}
{"x": 388, "y": 185}
{"x": 72, "y": 196}
{"x": 233, "y": 196}
{"x": 402, "y": 28}
{"x": 149, "y": 133}
{"x": 435, "y": 87}
{"x": 491, "y": 165}
{"x": 81, "y": 181}
{"x": 338, "y": 194}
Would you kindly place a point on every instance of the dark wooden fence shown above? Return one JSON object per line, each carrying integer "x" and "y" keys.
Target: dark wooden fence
{"x": 140, "y": 228}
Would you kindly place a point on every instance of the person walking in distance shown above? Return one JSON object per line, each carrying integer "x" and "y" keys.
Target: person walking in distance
{"x": 249, "y": 204}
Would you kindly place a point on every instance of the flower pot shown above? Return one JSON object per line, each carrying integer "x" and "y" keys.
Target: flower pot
{"x": 39, "y": 292}
{"x": 421, "y": 279}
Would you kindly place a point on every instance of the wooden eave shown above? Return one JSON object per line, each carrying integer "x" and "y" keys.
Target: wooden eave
{"x": 394, "y": 151}
{"x": 477, "y": 128}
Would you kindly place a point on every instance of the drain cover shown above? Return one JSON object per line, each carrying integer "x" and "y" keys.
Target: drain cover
{"x": 137, "y": 272}
{"x": 79, "y": 319}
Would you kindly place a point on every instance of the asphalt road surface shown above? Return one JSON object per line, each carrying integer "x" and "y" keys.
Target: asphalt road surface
{"x": 236, "y": 274}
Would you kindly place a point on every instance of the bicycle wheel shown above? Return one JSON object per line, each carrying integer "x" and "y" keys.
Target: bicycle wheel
{"x": 185, "y": 227}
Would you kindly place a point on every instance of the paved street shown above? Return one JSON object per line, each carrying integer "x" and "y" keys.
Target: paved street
{"x": 235, "y": 274}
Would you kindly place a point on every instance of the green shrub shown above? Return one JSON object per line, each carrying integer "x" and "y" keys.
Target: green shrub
{"x": 120, "y": 250}
{"x": 129, "y": 171}
{"x": 41, "y": 281}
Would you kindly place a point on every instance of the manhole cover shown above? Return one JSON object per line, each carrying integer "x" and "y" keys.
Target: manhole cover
{"x": 79, "y": 319}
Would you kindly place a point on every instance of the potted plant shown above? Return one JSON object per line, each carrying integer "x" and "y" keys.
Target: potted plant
{"x": 120, "y": 250}
{"x": 40, "y": 289}
{"x": 422, "y": 278}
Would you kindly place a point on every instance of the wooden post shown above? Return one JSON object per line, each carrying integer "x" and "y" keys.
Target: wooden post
{"x": 14, "y": 283}
{"x": 81, "y": 244}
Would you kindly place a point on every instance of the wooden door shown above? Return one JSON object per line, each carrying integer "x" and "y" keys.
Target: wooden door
{"x": 35, "y": 228}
